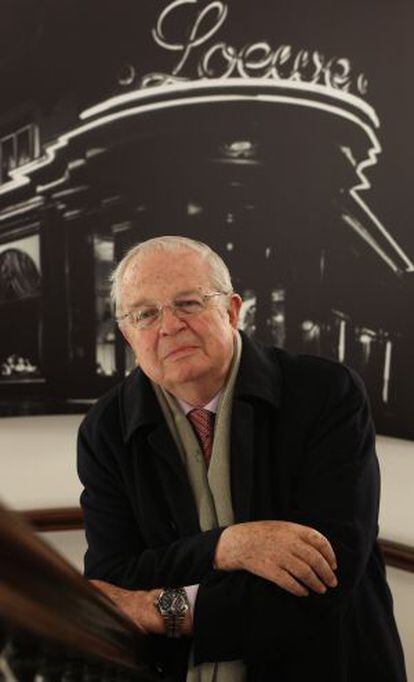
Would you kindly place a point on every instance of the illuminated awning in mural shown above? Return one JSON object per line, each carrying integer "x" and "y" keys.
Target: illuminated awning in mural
{"x": 209, "y": 71}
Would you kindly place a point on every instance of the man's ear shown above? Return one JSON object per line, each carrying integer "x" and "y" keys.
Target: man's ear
{"x": 234, "y": 309}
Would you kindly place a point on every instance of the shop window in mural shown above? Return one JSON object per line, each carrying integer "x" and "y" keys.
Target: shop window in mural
{"x": 277, "y": 320}
{"x": 16, "y": 149}
{"x": 130, "y": 362}
{"x": 247, "y": 321}
{"x": 105, "y": 327}
{"x": 20, "y": 299}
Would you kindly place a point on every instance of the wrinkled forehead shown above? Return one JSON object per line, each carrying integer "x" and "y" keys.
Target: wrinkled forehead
{"x": 159, "y": 274}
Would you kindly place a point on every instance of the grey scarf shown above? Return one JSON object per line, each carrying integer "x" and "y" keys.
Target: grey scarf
{"x": 212, "y": 493}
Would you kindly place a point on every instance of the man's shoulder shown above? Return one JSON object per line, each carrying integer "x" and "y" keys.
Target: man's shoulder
{"x": 303, "y": 363}
{"x": 106, "y": 414}
{"x": 320, "y": 379}
{"x": 312, "y": 374}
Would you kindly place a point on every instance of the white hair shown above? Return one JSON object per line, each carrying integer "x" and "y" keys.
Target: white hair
{"x": 220, "y": 275}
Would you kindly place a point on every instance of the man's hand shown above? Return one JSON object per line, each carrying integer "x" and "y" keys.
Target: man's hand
{"x": 282, "y": 552}
{"x": 139, "y": 606}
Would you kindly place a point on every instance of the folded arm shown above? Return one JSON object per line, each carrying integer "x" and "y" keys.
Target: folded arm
{"x": 117, "y": 550}
{"x": 337, "y": 495}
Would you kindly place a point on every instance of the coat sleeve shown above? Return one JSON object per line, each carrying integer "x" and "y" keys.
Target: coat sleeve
{"x": 337, "y": 492}
{"x": 117, "y": 551}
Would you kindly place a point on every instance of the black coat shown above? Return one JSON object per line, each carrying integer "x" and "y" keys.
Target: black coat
{"x": 302, "y": 450}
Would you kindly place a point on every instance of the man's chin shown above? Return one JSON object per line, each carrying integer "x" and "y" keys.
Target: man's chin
{"x": 181, "y": 373}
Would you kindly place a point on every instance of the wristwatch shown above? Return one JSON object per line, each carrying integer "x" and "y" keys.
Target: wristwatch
{"x": 173, "y": 604}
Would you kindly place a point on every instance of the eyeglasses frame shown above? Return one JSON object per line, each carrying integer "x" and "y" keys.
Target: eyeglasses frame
{"x": 171, "y": 306}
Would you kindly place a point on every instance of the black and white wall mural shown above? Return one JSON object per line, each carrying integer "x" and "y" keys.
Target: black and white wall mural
{"x": 278, "y": 132}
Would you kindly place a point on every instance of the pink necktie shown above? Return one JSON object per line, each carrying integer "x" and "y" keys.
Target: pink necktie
{"x": 203, "y": 423}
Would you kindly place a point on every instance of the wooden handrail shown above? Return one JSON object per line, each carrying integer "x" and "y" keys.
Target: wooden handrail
{"x": 67, "y": 518}
{"x": 398, "y": 555}
{"x": 43, "y": 595}
{"x": 59, "y": 518}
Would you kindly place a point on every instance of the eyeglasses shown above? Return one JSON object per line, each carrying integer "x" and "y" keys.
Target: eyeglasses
{"x": 190, "y": 305}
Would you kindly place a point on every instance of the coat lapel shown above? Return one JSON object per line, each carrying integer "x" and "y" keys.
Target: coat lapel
{"x": 259, "y": 379}
{"x": 242, "y": 452}
{"x": 143, "y": 417}
{"x": 174, "y": 481}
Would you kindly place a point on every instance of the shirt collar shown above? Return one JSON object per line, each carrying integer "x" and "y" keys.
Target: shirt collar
{"x": 211, "y": 406}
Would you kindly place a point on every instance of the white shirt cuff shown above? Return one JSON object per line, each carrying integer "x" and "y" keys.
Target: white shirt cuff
{"x": 191, "y": 591}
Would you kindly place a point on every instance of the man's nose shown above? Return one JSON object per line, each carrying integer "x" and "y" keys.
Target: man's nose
{"x": 170, "y": 322}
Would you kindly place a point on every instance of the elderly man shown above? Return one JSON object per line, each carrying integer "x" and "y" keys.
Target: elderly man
{"x": 231, "y": 490}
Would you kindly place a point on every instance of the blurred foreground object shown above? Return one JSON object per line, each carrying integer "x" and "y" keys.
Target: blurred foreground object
{"x": 53, "y": 624}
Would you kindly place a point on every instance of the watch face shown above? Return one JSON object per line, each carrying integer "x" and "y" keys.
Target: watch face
{"x": 180, "y": 604}
{"x": 173, "y": 601}
{"x": 166, "y": 600}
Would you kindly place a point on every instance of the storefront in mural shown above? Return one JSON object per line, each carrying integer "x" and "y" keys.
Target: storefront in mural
{"x": 207, "y": 122}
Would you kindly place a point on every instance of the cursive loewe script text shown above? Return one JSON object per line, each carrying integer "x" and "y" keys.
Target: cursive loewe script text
{"x": 253, "y": 60}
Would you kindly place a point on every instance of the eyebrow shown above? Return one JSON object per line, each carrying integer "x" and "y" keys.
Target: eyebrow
{"x": 148, "y": 301}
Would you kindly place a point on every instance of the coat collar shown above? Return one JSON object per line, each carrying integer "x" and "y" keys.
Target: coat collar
{"x": 259, "y": 377}
{"x": 259, "y": 374}
{"x": 138, "y": 404}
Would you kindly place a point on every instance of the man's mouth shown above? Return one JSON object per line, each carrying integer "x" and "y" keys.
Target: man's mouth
{"x": 177, "y": 352}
